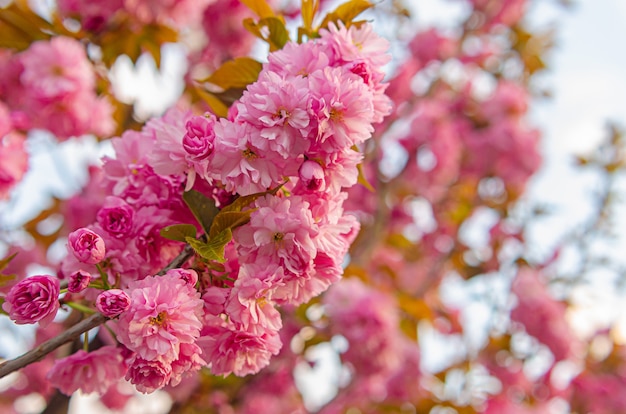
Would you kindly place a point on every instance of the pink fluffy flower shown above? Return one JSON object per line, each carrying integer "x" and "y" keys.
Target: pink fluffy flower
{"x": 342, "y": 107}
{"x": 89, "y": 372}
{"x": 241, "y": 165}
{"x": 164, "y": 312}
{"x": 250, "y": 306}
{"x": 34, "y": 299}
{"x": 356, "y": 44}
{"x": 278, "y": 106}
{"x": 148, "y": 375}
{"x": 229, "y": 350}
{"x": 281, "y": 232}
{"x": 56, "y": 69}
{"x": 112, "y": 302}
{"x": 299, "y": 59}
{"x": 87, "y": 246}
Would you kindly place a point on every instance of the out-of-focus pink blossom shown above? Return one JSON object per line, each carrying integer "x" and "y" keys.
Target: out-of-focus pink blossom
{"x": 13, "y": 162}
{"x": 89, "y": 372}
{"x": 34, "y": 299}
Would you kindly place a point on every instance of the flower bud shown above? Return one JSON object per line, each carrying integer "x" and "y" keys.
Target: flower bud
{"x": 87, "y": 246}
{"x": 312, "y": 176}
{"x": 34, "y": 299}
{"x": 198, "y": 141}
{"x": 188, "y": 275}
{"x": 112, "y": 302}
{"x": 78, "y": 281}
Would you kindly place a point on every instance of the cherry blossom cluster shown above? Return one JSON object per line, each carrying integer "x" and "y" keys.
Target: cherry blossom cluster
{"x": 291, "y": 144}
{"x": 52, "y": 85}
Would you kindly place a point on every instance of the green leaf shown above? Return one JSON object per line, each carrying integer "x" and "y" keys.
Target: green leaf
{"x": 245, "y": 201}
{"x": 179, "y": 232}
{"x": 362, "y": 180}
{"x": 5, "y": 262}
{"x": 260, "y": 7}
{"x": 346, "y": 12}
{"x": 309, "y": 10}
{"x": 218, "y": 107}
{"x": 237, "y": 73}
{"x": 214, "y": 248}
{"x": 202, "y": 207}
{"x": 229, "y": 220}
{"x": 4, "y": 279}
{"x": 271, "y": 29}
{"x": 20, "y": 26}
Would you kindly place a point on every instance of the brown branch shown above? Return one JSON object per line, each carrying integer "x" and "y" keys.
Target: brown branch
{"x": 45, "y": 348}
{"x": 75, "y": 331}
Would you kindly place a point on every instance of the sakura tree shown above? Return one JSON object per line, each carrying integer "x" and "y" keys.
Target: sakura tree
{"x": 320, "y": 195}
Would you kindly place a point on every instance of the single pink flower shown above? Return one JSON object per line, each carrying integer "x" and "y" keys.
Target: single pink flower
{"x": 89, "y": 372}
{"x": 148, "y": 376}
{"x": 87, "y": 246}
{"x": 112, "y": 302}
{"x": 34, "y": 299}
{"x": 164, "y": 312}
{"x": 229, "y": 350}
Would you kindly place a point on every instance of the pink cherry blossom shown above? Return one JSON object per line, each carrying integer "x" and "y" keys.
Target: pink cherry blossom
{"x": 164, "y": 312}
{"x": 89, "y": 372}
{"x": 34, "y": 299}
{"x": 300, "y": 59}
{"x": 279, "y": 107}
{"x": 342, "y": 108}
{"x": 249, "y": 305}
{"x": 229, "y": 350}
{"x": 239, "y": 164}
{"x": 280, "y": 231}
{"x": 148, "y": 375}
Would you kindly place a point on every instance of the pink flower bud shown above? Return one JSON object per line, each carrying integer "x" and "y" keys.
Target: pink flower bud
{"x": 87, "y": 246}
{"x": 312, "y": 176}
{"x": 188, "y": 275}
{"x": 34, "y": 299}
{"x": 198, "y": 141}
{"x": 79, "y": 280}
{"x": 112, "y": 302}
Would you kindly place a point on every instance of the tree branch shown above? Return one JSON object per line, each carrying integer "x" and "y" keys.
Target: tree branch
{"x": 45, "y": 348}
{"x": 75, "y": 331}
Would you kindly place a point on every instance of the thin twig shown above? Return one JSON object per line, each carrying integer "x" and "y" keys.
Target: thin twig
{"x": 75, "y": 331}
{"x": 45, "y": 348}
{"x": 179, "y": 260}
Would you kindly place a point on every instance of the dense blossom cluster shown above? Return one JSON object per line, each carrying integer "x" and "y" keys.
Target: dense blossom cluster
{"x": 298, "y": 128}
{"x": 228, "y": 236}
